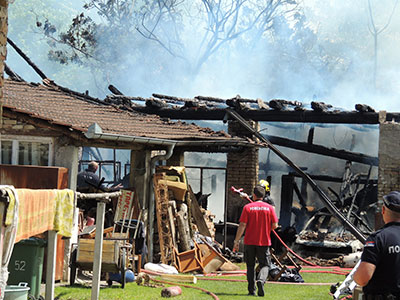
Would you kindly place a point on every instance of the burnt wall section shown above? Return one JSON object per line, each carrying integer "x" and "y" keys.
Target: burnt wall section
{"x": 242, "y": 171}
{"x": 389, "y": 158}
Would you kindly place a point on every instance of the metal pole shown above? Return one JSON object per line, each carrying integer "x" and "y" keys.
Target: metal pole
{"x": 98, "y": 249}
{"x": 51, "y": 264}
{"x": 201, "y": 180}
{"x": 225, "y": 208}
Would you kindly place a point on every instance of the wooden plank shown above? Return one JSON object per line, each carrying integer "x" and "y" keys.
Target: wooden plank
{"x": 179, "y": 278}
{"x": 86, "y": 251}
{"x": 197, "y": 214}
{"x": 171, "y": 213}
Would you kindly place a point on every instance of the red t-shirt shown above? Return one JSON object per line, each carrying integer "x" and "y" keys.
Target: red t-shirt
{"x": 259, "y": 217}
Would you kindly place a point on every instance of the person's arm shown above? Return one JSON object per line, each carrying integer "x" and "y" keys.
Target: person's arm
{"x": 239, "y": 233}
{"x": 274, "y": 226}
{"x": 274, "y": 219}
{"x": 364, "y": 273}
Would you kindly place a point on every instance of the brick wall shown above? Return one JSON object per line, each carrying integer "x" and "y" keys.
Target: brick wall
{"x": 389, "y": 158}
{"x": 3, "y": 47}
{"x": 242, "y": 172}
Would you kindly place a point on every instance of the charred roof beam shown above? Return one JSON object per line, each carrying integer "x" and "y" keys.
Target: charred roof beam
{"x": 262, "y": 115}
{"x": 317, "y": 149}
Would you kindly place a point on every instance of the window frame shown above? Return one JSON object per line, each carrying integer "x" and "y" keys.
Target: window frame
{"x": 16, "y": 139}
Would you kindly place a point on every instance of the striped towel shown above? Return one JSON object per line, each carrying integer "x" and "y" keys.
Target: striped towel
{"x": 43, "y": 210}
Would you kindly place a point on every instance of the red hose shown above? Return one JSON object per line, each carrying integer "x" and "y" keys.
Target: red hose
{"x": 294, "y": 253}
{"x": 321, "y": 271}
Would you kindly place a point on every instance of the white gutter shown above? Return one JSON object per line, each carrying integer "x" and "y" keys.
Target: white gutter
{"x": 95, "y": 132}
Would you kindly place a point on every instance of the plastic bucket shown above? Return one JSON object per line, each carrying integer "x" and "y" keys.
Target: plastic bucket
{"x": 16, "y": 292}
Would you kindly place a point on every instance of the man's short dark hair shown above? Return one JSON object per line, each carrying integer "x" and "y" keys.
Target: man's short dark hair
{"x": 92, "y": 166}
{"x": 259, "y": 191}
{"x": 392, "y": 201}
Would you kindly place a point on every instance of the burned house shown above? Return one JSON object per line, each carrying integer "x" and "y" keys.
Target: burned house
{"x": 119, "y": 121}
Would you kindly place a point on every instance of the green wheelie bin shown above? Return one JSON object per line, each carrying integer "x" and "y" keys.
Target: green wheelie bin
{"x": 26, "y": 265}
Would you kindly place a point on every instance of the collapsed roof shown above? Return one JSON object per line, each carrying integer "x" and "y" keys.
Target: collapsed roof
{"x": 275, "y": 110}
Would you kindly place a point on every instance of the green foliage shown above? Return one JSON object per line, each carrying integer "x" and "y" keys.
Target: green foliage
{"x": 24, "y": 18}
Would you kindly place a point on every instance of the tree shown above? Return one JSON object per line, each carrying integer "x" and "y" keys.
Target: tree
{"x": 375, "y": 31}
{"x": 191, "y": 31}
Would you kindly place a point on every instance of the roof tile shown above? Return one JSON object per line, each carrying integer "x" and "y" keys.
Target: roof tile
{"x": 51, "y": 103}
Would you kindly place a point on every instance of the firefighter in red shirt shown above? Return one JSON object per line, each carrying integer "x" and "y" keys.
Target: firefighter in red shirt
{"x": 258, "y": 219}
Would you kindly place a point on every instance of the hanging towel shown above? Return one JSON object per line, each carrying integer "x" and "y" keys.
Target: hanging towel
{"x": 12, "y": 209}
{"x": 64, "y": 212}
{"x": 36, "y": 212}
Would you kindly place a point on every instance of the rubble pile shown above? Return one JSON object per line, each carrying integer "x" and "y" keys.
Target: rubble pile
{"x": 324, "y": 262}
{"x": 186, "y": 232}
{"x": 345, "y": 237}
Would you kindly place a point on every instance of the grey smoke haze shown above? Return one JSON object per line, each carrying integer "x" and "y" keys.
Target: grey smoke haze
{"x": 330, "y": 59}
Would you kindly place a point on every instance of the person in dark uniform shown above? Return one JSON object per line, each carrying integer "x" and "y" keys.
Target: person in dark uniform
{"x": 267, "y": 197}
{"x": 89, "y": 181}
{"x": 379, "y": 270}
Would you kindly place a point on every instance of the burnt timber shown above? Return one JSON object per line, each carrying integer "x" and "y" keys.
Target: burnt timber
{"x": 317, "y": 149}
{"x": 306, "y": 116}
{"x": 325, "y": 199}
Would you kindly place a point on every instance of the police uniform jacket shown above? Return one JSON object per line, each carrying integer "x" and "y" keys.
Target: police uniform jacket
{"x": 382, "y": 249}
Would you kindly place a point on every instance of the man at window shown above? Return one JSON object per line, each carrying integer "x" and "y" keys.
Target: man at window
{"x": 89, "y": 181}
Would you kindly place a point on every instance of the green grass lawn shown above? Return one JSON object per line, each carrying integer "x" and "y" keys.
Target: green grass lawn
{"x": 224, "y": 290}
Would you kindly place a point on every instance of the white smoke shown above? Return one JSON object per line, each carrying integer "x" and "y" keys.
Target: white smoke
{"x": 288, "y": 65}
